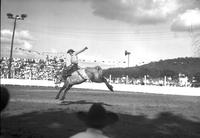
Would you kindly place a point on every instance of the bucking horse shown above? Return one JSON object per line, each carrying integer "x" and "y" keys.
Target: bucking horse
{"x": 94, "y": 74}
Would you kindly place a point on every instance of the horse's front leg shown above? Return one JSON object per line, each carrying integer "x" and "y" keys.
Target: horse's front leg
{"x": 65, "y": 92}
{"x": 58, "y": 95}
{"x": 110, "y": 87}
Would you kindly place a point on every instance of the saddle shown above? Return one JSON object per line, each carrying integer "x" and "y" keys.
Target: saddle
{"x": 69, "y": 70}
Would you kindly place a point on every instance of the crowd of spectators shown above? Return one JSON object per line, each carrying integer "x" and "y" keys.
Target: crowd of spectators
{"x": 35, "y": 69}
{"x": 46, "y": 69}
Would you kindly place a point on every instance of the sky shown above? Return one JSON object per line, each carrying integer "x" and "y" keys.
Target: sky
{"x": 151, "y": 30}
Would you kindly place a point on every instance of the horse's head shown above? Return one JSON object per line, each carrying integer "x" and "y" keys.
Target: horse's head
{"x": 98, "y": 68}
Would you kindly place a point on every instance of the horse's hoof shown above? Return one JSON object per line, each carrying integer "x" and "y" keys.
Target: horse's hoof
{"x": 57, "y": 102}
{"x": 62, "y": 99}
{"x": 56, "y": 97}
{"x": 62, "y": 102}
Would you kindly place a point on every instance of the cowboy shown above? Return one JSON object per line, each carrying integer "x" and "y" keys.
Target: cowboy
{"x": 96, "y": 119}
{"x": 73, "y": 61}
{"x": 67, "y": 71}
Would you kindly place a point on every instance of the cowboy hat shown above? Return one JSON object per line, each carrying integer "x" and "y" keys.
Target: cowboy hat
{"x": 97, "y": 116}
{"x": 70, "y": 50}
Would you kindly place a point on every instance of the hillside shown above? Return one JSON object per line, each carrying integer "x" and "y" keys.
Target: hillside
{"x": 170, "y": 67}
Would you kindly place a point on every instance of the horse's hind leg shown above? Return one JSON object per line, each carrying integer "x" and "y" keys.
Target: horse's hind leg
{"x": 58, "y": 95}
{"x": 110, "y": 87}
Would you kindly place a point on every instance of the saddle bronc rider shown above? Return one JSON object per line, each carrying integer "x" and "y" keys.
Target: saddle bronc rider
{"x": 67, "y": 71}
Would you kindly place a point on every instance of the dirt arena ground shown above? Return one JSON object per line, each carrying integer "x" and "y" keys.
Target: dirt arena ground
{"x": 34, "y": 113}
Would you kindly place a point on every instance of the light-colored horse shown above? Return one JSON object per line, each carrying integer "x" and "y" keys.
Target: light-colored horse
{"x": 94, "y": 74}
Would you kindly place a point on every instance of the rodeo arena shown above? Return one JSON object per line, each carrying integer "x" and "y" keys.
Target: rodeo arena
{"x": 43, "y": 97}
{"x": 35, "y": 110}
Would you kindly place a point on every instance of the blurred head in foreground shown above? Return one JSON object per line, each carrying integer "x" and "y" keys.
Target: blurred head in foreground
{"x": 97, "y": 117}
{"x": 5, "y": 96}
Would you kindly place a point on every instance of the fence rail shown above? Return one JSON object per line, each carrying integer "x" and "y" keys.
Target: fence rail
{"x": 187, "y": 91}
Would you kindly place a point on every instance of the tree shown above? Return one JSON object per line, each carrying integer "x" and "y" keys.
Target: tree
{"x": 168, "y": 73}
{"x": 197, "y": 77}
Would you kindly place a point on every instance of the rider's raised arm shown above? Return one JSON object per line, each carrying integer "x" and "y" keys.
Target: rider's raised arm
{"x": 78, "y": 52}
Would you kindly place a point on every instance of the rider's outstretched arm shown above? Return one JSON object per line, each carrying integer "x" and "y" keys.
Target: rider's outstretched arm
{"x": 81, "y": 51}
